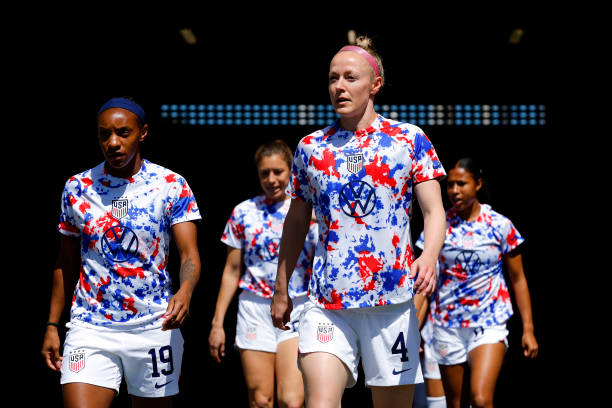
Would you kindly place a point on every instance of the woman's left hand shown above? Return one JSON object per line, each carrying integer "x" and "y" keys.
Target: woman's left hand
{"x": 530, "y": 345}
{"x": 425, "y": 273}
{"x": 177, "y": 311}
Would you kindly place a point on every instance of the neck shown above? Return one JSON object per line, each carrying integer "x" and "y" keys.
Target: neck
{"x": 360, "y": 121}
{"x": 127, "y": 171}
{"x": 471, "y": 213}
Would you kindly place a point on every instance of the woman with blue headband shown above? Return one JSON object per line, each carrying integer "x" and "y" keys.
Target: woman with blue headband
{"x": 116, "y": 223}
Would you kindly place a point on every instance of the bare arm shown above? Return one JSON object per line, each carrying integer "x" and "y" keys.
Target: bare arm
{"x": 227, "y": 290}
{"x": 185, "y": 236}
{"x": 65, "y": 276}
{"x": 295, "y": 229}
{"x": 430, "y": 200}
{"x": 514, "y": 264}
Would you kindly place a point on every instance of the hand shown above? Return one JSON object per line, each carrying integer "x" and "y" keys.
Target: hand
{"x": 425, "y": 273}
{"x": 177, "y": 311}
{"x": 280, "y": 310}
{"x": 216, "y": 343}
{"x": 50, "y": 349}
{"x": 530, "y": 345}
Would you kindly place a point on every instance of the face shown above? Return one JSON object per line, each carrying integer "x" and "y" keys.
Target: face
{"x": 120, "y": 135}
{"x": 351, "y": 83}
{"x": 462, "y": 188}
{"x": 273, "y": 174}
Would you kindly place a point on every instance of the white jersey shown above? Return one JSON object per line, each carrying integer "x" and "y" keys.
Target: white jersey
{"x": 125, "y": 228}
{"x": 256, "y": 227}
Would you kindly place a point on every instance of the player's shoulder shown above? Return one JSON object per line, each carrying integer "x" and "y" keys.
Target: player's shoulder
{"x": 156, "y": 171}
{"x": 406, "y": 128}
{"x": 83, "y": 179}
{"x": 250, "y": 204}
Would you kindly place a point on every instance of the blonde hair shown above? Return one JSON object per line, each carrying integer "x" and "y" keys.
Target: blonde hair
{"x": 367, "y": 44}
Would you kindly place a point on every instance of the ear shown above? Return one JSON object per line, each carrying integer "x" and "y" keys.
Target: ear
{"x": 478, "y": 184}
{"x": 376, "y": 85}
{"x": 144, "y": 131}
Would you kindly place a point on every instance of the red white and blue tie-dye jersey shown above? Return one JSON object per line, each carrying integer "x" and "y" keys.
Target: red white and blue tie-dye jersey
{"x": 125, "y": 229}
{"x": 360, "y": 185}
{"x": 256, "y": 226}
{"x": 471, "y": 289}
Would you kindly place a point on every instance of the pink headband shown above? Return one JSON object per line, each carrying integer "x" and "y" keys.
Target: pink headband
{"x": 364, "y": 54}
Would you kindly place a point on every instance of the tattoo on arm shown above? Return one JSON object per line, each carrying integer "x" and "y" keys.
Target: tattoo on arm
{"x": 188, "y": 272}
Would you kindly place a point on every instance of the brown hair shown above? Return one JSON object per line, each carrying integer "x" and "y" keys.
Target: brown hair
{"x": 272, "y": 147}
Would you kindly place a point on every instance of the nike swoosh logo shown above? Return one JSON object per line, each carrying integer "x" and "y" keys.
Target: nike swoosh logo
{"x": 399, "y": 372}
{"x": 162, "y": 385}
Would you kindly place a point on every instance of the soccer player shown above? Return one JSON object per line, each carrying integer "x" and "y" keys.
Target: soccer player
{"x": 116, "y": 222}
{"x": 359, "y": 175}
{"x": 252, "y": 236}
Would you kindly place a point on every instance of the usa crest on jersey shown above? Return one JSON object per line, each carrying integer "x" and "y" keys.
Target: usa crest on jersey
{"x": 325, "y": 332}
{"x": 120, "y": 208}
{"x": 354, "y": 163}
{"x": 76, "y": 360}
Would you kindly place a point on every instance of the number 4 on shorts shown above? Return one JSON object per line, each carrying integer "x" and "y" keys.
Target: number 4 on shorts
{"x": 399, "y": 347}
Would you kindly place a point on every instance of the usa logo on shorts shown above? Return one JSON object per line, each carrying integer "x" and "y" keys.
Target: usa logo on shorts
{"x": 325, "y": 332}
{"x": 120, "y": 208}
{"x": 251, "y": 333}
{"x": 77, "y": 360}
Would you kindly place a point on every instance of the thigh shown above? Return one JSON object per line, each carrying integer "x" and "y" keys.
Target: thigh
{"x": 485, "y": 364}
{"x": 391, "y": 397}
{"x": 152, "y": 361}
{"x": 258, "y": 369}
{"x": 325, "y": 378}
{"x": 454, "y": 380}
{"x": 87, "y": 396}
{"x": 290, "y": 387}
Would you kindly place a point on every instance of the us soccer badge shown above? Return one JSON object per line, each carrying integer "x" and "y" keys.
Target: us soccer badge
{"x": 325, "y": 332}
{"x": 76, "y": 360}
{"x": 120, "y": 208}
{"x": 354, "y": 163}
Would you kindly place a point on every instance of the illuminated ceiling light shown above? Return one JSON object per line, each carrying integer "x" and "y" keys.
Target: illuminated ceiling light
{"x": 188, "y": 36}
{"x": 515, "y": 36}
{"x": 351, "y": 35}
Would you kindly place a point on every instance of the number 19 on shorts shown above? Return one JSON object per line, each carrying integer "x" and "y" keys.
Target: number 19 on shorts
{"x": 159, "y": 358}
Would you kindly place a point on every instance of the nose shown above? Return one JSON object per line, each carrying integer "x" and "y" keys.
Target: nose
{"x": 113, "y": 141}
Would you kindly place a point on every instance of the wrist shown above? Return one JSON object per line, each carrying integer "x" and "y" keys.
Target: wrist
{"x": 52, "y": 325}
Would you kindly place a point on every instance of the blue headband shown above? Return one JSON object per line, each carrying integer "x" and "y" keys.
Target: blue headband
{"x": 126, "y": 104}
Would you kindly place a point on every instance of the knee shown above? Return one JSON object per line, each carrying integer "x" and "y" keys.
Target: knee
{"x": 261, "y": 399}
{"x": 295, "y": 403}
{"x": 480, "y": 400}
{"x": 290, "y": 400}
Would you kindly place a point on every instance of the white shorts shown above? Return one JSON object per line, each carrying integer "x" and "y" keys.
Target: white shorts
{"x": 430, "y": 364}
{"x": 452, "y": 345}
{"x": 386, "y": 338}
{"x": 254, "y": 328}
{"x": 149, "y": 360}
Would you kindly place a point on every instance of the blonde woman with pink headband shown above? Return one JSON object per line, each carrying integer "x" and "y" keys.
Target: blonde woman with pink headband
{"x": 359, "y": 175}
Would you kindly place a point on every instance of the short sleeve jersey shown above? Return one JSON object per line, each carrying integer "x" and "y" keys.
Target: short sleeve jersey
{"x": 125, "y": 227}
{"x": 471, "y": 289}
{"x": 360, "y": 185}
{"x": 256, "y": 226}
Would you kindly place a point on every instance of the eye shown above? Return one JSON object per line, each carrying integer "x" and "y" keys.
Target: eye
{"x": 124, "y": 131}
{"x": 103, "y": 133}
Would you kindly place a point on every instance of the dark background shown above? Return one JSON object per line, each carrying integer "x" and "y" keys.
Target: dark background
{"x": 70, "y": 65}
